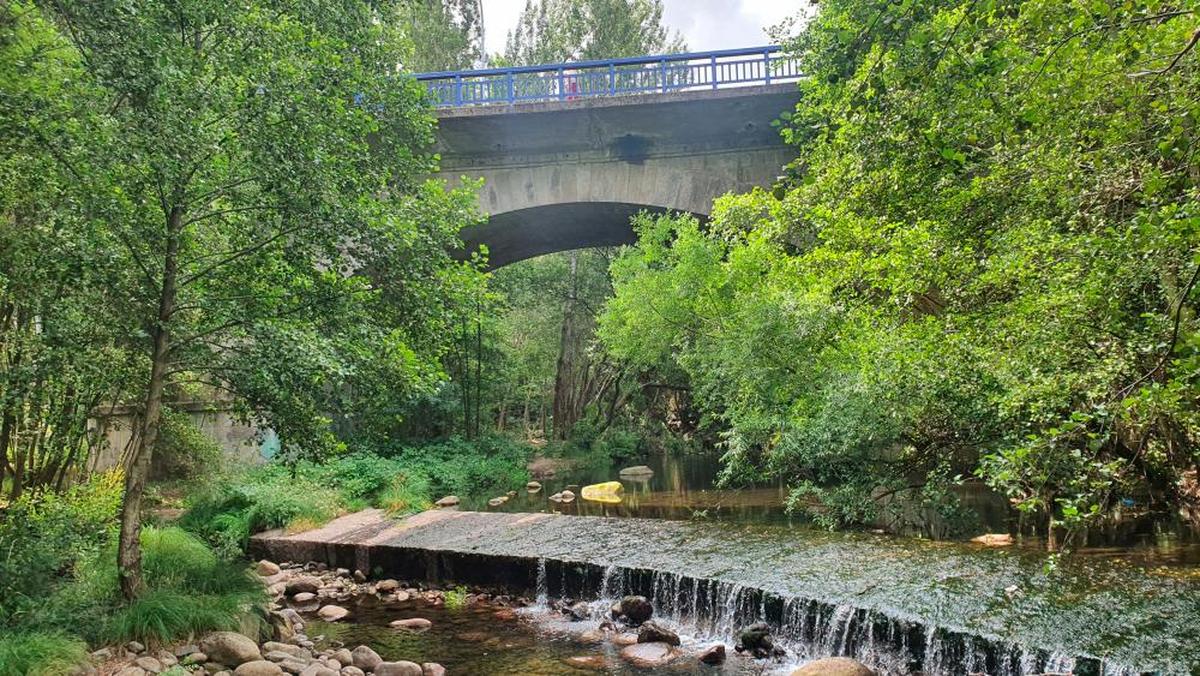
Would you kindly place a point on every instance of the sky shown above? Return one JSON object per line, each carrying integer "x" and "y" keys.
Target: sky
{"x": 704, "y": 24}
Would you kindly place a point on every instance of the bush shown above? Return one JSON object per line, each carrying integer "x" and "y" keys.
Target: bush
{"x": 183, "y": 451}
{"x": 40, "y": 653}
{"x": 43, "y": 534}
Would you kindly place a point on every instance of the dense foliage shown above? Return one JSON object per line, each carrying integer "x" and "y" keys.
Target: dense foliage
{"x": 982, "y": 265}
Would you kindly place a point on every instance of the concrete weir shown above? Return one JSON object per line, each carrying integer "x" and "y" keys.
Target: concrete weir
{"x": 900, "y": 604}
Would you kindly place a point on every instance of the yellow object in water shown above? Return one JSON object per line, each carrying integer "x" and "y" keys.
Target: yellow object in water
{"x": 609, "y": 492}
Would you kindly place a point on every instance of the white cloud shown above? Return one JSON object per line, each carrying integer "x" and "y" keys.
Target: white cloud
{"x": 705, "y": 24}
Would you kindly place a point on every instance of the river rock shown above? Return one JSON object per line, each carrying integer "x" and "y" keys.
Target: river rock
{"x": 834, "y": 666}
{"x": 626, "y": 639}
{"x": 228, "y": 647}
{"x": 637, "y": 471}
{"x": 267, "y": 568}
{"x": 649, "y": 655}
{"x": 352, "y": 671}
{"x": 332, "y": 613}
{"x": 496, "y": 502}
{"x": 215, "y": 667}
{"x": 293, "y": 650}
{"x": 303, "y": 597}
{"x": 994, "y": 539}
{"x": 401, "y": 668}
{"x": 413, "y": 624}
{"x": 557, "y": 497}
{"x": 533, "y": 486}
{"x": 635, "y": 610}
{"x": 359, "y": 577}
{"x": 318, "y": 669}
{"x": 343, "y": 656}
{"x": 387, "y": 586}
{"x": 364, "y": 658}
{"x": 756, "y": 639}
{"x": 505, "y": 614}
{"x": 401, "y": 596}
{"x": 258, "y": 668}
{"x": 653, "y": 632}
{"x": 132, "y": 670}
{"x": 567, "y": 496}
{"x": 135, "y": 647}
{"x": 447, "y": 501}
{"x": 433, "y": 669}
{"x": 304, "y": 583}
{"x": 579, "y": 611}
{"x": 714, "y": 655}
{"x": 148, "y": 664}
{"x": 293, "y": 665}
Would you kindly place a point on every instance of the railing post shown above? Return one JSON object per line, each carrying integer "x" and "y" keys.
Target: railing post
{"x": 562, "y": 88}
{"x": 612, "y": 78}
{"x": 714, "y": 71}
{"x": 458, "y": 99}
{"x": 663, "y": 74}
{"x": 511, "y": 99}
{"x": 767, "y": 65}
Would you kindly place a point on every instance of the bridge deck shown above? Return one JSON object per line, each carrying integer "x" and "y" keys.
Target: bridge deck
{"x": 1079, "y": 607}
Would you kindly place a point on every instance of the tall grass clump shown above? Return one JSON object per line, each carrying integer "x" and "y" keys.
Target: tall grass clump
{"x": 40, "y": 653}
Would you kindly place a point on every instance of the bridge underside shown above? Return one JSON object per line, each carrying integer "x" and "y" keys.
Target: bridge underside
{"x": 517, "y": 235}
{"x": 570, "y": 174}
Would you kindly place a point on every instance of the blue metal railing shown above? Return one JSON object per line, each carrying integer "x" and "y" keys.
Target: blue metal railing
{"x": 611, "y": 77}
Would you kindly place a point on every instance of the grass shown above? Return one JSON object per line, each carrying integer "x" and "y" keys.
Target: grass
{"x": 40, "y": 653}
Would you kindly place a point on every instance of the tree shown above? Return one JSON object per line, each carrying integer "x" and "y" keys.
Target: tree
{"x": 446, "y": 34}
{"x": 256, "y": 162}
{"x": 554, "y": 31}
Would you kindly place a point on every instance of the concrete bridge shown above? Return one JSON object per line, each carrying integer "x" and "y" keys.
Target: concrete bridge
{"x": 570, "y": 152}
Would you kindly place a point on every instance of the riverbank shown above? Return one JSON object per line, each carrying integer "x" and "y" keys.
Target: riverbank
{"x": 944, "y": 606}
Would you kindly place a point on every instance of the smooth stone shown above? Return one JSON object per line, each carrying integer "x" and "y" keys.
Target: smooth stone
{"x": 135, "y": 647}
{"x": 557, "y": 497}
{"x": 149, "y": 664}
{"x": 359, "y": 577}
{"x": 636, "y": 470}
{"x": 432, "y": 669}
{"x": 267, "y": 568}
{"x": 293, "y": 650}
{"x": 343, "y": 656}
{"x": 415, "y": 624}
{"x": 303, "y": 597}
{"x": 258, "y": 668}
{"x": 714, "y": 655}
{"x": 304, "y": 583}
{"x": 580, "y": 611}
{"x": 592, "y": 636}
{"x": 624, "y": 639}
{"x": 649, "y": 655}
{"x": 568, "y": 496}
{"x": 834, "y": 666}
{"x": 386, "y": 586}
{"x": 131, "y": 671}
{"x": 994, "y": 539}
{"x": 102, "y": 655}
{"x": 332, "y": 613}
{"x": 447, "y": 501}
{"x": 352, "y": 671}
{"x": 401, "y": 668}
{"x": 318, "y": 669}
{"x": 653, "y": 632}
{"x": 228, "y": 647}
{"x": 533, "y": 486}
{"x": 364, "y": 658}
{"x": 401, "y": 596}
{"x": 496, "y": 502}
{"x": 293, "y": 665}
{"x": 193, "y": 659}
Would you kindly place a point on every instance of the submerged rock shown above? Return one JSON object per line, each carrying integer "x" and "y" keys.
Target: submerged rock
{"x": 650, "y": 655}
{"x": 653, "y": 632}
{"x": 413, "y": 624}
{"x": 834, "y": 666}
{"x": 586, "y": 662}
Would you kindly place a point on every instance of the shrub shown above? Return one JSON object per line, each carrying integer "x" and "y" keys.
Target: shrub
{"x": 43, "y": 534}
{"x": 161, "y": 616}
{"x": 183, "y": 451}
{"x": 40, "y": 653}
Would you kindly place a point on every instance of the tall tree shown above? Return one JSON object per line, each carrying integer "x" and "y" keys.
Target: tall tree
{"x": 255, "y": 162}
{"x": 553, "y": 31}
{"x": 446, "y": 34}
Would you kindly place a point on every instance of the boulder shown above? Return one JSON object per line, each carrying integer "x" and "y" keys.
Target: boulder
{"x": 714, "y": 655}
{"x": 413, "y": 624}
{"x": 228, "y": 647}
{"x": 303, "y": 597}
{"x": 650, "y": 655}
{"x": 635, "y": 610}
{"x": 653, "y": 632}
{"x": 267, "y": 568}
{"x": 258, "y": 668}
{"x": 386, "y": 586}
{"x": 834, "y": 666}
{"x": 303, "y": 583}
{"x": 332, "y": 613}
{"x": 364, "y": 658}
{"x": 447, "y": 501}
{"x": 433, "y": 669}
{"x": 148, "y": 664}
{"x": 401, "y": 668}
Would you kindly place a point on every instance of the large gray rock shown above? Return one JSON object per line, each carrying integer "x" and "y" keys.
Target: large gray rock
{"x": 653, "y": 632}
{"x": 303, "y": 583}
{"x": 834, "y": 666}
{"x": 402, "y": 668}
{"x": 228, "y": 647}
{"x": 650, "y": 655}
{"x": 364, "y": 658}
{"x": 258, "y": 668}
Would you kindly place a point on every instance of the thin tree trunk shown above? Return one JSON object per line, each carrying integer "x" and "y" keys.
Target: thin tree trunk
{"x": 129, "y": 551}
{"x": 565, "y": 368}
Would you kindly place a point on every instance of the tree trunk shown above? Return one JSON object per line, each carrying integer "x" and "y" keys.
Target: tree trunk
{"x": 564, "y": 373}
{"x": 129, "y": 551}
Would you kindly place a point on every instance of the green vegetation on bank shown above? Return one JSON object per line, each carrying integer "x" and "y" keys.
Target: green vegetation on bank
{"x": 982, "y": 266}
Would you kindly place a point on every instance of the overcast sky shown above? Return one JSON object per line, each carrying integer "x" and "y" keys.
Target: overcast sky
{"x": 705, "y": 24}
